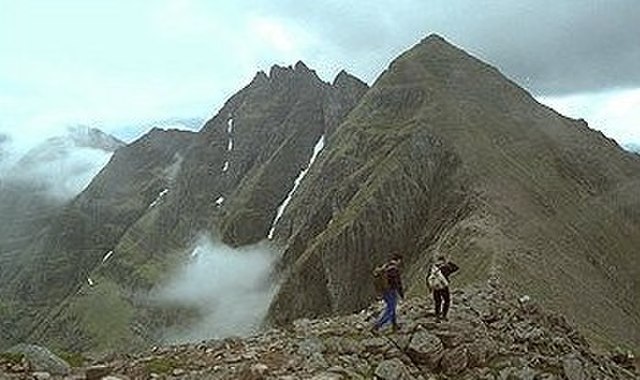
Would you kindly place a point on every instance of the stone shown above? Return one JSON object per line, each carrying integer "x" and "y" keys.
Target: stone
{"x": 41, "y": 359}
{"x": 41, "y": 375}
{"x": 481, "y": 352}
{"x": 375, "y": 345}
{"x": 317, "y": 361}
{"x": 259, "y": 369}
{"x": 392, "y": 369}
{"x": 455, "y": 361}
{"x": 327, "y": 376}
{"x": 573, "y": 368}
{"x": 309, "y": 346}
{"x": 426, "y": 348}
{"x": 178, "y": 372}
{"x": 97, "y": 372}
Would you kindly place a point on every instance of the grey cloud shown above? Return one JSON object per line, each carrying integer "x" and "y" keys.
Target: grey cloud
{"x": 549, "y": 47}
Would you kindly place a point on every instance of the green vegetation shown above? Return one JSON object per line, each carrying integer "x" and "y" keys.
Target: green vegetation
{"x": 104, "y": 315}
{"x": 161, "y": 365}
{"x": 11, "y": 357}
{"x": 74, "y": 359}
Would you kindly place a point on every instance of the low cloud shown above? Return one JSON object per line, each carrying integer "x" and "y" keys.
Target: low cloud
{"x": 66, "y": 176}
{"x": 55, "y": 168}
{"x": 229, "y": 288}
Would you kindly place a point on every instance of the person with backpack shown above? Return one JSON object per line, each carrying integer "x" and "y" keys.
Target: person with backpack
{"x": 387, "y": 282}
{"x": 438, "y": 282}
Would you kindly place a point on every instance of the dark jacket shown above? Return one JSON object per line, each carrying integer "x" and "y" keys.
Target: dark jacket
{"x": 393, "y": 277}
{"x": 448, "y": 268}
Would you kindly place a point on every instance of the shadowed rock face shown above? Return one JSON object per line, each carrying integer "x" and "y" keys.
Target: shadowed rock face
{"x": 251, "y": 152}
{"x": 444, "y": 154}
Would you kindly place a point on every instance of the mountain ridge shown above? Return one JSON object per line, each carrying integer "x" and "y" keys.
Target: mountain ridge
{"x": 517, "y": 163}
{"x": 441, "y": 155}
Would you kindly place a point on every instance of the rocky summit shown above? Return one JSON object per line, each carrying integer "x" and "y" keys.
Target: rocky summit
{"x": 490, "y": 334}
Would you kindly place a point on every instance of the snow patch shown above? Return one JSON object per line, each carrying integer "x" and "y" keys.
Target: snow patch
{"x": 230, "y": 126}
{"x": 89, "y": 281}
{"x": 106, "y": 256}
{"x": 159, "y": 198}
{"x": 230, "y": 144}
{"x": 225, "y": 167}
{"x": 220, "y": 200}
{"x": 316, "y": 150}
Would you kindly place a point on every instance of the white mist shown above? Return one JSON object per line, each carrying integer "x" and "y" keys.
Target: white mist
{"x": 230, "y": 288}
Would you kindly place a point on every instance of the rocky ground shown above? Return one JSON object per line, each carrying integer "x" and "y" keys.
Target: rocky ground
{"x": 490, "y": 335}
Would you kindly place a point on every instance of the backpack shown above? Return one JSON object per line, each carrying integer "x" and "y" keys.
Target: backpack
{"x": 436, "y": 279}
{"x": 380, "y": 279}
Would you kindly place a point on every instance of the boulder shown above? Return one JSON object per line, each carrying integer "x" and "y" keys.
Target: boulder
{"x": 455, "y": 361}
{"x": 426, "y": 348}
{"x": 392, "y": 369}
{"x": 97, "y": 372}
{"x": 41, "y": 359}
{"x": 574, "y": 368}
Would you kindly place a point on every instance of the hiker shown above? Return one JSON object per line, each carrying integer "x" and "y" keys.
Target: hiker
{"x": 438, "y": 282}
{"x": 388, "y": 282}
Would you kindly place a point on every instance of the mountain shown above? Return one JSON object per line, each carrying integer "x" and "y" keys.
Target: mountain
{"x": 491, "y": 334}
{"x": 44, "y": 178}
{"x": 124, "y": 233}
{"x": 58, "y": 147}
{"x": 36, "y": 186}
{"x": 442, "y": 155}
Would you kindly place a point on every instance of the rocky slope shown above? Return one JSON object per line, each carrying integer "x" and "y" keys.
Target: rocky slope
{"x": 491, "y": 334}
{"x": 444, "y": 154}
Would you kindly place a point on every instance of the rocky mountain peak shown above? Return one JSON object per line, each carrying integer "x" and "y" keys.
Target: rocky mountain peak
{"x": 435, "y": 39}
{"x": 88, "y": 137}
{"x": 344, "y": 80}
{"x": 300, "y": 66}
{"x": 259, "y": 79}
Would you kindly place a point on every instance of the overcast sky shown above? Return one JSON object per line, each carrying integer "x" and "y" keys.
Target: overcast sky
{"x": 121, "y": 64}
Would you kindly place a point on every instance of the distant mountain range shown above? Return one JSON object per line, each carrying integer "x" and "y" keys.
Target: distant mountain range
{"x": 59, "y": 147}
{"x": 35, "y": 188}
{"x": 443, "y": 155}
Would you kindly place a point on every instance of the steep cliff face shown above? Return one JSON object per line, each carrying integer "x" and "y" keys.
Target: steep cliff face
{"x": 444, "y": 154}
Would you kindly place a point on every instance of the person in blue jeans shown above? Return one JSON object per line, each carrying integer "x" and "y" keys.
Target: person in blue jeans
{"x": 393, "y": 289}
